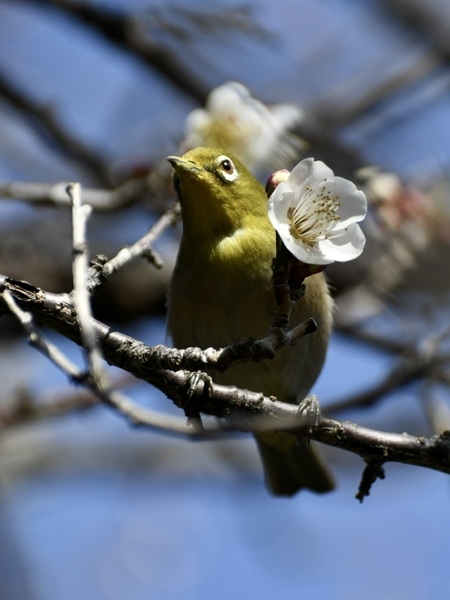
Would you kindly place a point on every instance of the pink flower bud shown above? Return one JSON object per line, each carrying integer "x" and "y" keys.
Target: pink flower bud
{"x": 276, "y": 178}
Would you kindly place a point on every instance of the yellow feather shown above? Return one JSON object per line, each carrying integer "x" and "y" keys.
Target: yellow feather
{"x": 221, "y": 292}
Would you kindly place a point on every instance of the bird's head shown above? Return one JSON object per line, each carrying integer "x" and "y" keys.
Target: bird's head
{"x": 218, "y": 195}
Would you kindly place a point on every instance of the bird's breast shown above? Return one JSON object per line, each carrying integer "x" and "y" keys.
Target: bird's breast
{"x": 221, "y": 298}
{"x": 225, "y": 295}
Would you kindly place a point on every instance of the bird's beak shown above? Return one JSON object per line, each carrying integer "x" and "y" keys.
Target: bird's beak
{"x": 180, "y": 165}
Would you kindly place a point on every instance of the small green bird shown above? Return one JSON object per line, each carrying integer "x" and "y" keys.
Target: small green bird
{"x": 221, "y": 292}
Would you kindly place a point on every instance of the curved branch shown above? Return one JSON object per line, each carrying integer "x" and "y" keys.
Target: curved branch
{"x": 245, "y": 410}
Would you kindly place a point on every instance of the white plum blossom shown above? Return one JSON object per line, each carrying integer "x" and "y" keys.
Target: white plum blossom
{"x": 316, "y": 214}
{"x": 255, "y": 133}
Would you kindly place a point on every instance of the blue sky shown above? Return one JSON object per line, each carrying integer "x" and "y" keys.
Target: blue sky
{"x": 95, "y": 509}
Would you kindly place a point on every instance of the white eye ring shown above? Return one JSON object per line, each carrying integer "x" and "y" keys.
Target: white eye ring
{"x": 227, "y": 168}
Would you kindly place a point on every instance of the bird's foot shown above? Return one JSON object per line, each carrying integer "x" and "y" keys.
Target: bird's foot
{"x": 194, "y": 379}
{"x": 309, "y": 410}
{"x": 192, "y": 414}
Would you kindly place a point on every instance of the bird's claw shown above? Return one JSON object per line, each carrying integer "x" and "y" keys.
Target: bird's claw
{"x": 309, "y": 410}
{"x": 194, "y": 378}
{"x": 192, "y": 414}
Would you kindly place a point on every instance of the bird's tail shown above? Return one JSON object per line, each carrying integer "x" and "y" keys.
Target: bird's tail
{"x": 290, "y": 466}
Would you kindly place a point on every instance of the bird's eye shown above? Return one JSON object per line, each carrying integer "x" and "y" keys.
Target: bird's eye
{"x": 227, "y": 168}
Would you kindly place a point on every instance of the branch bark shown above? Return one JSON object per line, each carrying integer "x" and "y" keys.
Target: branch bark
{"x": 54, "y": 194}
{"x": 243, "y": 409}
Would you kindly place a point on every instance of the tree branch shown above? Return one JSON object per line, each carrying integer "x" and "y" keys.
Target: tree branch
{"x": 243, "y": 409}
{"x": 100, "y": 271}
{"x": 54, "y": 194}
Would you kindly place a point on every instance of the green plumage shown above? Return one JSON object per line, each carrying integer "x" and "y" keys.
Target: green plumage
{"x": 221, "y": 293}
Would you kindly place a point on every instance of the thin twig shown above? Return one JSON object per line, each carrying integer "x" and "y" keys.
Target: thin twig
{"x": 81, "y": 300}
{"x": 372, "y": 471}
{"x": 400, "y": 376}
{"x": 99, "y": 273}
{"x": 416, "y": 363}
{"x": 390, "y": 344}
{"x": 330, "y": 116}
{"x": 38, "y": 341}
{"x": 24, "y": 409}
{"x": 54, "y": 194}
{"x": 257, "y": 350}
{"x": 436, "y": 408}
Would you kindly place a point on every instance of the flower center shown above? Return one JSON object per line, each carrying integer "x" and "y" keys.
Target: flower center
{"x": 314, "y": 216}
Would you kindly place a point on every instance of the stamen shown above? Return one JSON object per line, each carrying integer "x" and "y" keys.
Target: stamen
{"x": 314, "y": 216}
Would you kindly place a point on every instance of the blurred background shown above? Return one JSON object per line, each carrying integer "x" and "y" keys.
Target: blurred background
{"x": 100, "y": 92}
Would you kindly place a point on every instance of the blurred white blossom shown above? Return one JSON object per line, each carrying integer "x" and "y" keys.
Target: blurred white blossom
{"x": 398, "y": 206}
{"x": 316, "y": 214}
{"x": 236, "y": 122}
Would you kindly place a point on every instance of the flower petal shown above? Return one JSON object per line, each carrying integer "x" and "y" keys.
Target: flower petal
{"x": 301, "y": 172}
{"x": 345, "y": 246}
{"x": 312, "y": 255}
{"x": 197, "y": 119}
{"x": 318, "y": 198}
{"x": 236, "y": 122}
{"x": 279, "y": 203}
{"x": 310, "y": 171}
{"x": 286, "y": 116}
{"x": 353, "y": 202}
{"x": 226, "y": 97}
